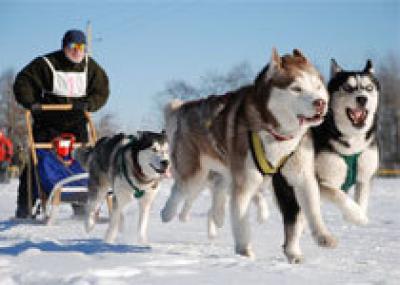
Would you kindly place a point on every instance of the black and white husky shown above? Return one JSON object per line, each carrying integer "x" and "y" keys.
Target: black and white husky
{"x": 346, "y": 153}
{"x": 132, "y": 167}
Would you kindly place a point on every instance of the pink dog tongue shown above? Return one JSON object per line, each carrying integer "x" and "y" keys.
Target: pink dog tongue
{"x": 358, "y": 114}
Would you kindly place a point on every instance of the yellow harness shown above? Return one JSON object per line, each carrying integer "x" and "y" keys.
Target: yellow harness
{"x": 259, "y": 156}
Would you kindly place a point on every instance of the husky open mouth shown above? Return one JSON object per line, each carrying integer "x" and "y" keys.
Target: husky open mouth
{"x": 314, "y": 119}
{"x": 357, "y": 116}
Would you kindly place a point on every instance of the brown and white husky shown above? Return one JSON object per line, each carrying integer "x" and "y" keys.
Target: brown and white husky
{"x": 210, "y": 139}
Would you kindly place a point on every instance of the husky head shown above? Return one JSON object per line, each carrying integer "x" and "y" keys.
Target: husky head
{"x": 152, "y": 155}
{"x": 293, "y": 91}
{"x": 354, "y": 98}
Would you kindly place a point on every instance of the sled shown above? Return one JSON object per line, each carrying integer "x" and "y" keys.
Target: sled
{"x": 71, "y": 184}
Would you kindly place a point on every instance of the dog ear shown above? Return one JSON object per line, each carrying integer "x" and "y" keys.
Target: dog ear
{"x": 298, "y": 53}
{"x": 368, "y": 67}
{"x": 275, "y": 64}
{"x": 335, "y": 68}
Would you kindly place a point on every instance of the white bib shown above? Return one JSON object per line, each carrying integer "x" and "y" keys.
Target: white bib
{"x": 69, "y": 83}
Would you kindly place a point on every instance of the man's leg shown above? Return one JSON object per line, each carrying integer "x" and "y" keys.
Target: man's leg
{"x": 22, "y": 211}
{"x": 22, "y": 199}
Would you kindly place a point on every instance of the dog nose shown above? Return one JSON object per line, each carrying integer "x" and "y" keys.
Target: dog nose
{"x": 164, "y": 163}
{"x": 361, "y": 100}
{"x": 319, "y": 105}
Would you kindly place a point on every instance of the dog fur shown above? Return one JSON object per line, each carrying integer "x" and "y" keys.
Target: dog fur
{"x": 147, "y": 161}
{"x": 349, "y": 128}
{"x": 210, "y": 137}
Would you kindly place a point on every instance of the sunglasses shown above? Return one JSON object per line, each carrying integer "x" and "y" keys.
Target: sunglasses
{"x": 77, "y": 46}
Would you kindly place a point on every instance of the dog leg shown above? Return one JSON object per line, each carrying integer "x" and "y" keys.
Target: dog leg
{"x": 95, "y": 197}
{"x": 262, "y": 207}
{"x": 352, "y": 212}
{"x": 293, "y": 219}
{"x": 293, "y": 231}
{"x": 299, "y": 173}
{"x": 242, "y": 193}
{"x": 361, "y": 195}
{"x": 121, "y": 199}
{"x": 187, "y": 191}
{"x": 113, "y": 226}
{"x": 145, "y": 204}
{"x": 171, "y": 207}
{"x": 187, "y": 206}
{"x": 367, "y": 166}
{"x": 216, "y": 215}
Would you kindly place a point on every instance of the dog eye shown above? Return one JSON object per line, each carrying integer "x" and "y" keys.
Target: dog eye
{"x": 348, "y": 88}
{"x": 296, "y": 89}
{"x": 369, "y": 87}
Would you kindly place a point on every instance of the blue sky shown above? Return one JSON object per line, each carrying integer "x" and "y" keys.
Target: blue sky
{"x": 144, "y": 44}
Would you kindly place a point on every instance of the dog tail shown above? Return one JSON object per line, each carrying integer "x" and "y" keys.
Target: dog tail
{"x": 170, "y": 116}
{"x": 82, "y": 155}
{"x": 171, "y": 108}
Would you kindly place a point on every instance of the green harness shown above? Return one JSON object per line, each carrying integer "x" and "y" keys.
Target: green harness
{"x": 351, "y": 176}
{"x": 122, "y": 169}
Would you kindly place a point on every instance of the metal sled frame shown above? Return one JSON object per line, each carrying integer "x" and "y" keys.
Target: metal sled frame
{"x": 51, "y": 203}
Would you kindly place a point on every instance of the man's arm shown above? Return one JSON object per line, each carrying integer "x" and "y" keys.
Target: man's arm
{"x": 98, "y": 87}
{"x": 28, "y": 84}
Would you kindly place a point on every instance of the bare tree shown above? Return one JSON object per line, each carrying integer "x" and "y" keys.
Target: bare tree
{"x": 11, "y": 114}
{"x": 388, "y": 73}
{"x": 212, "y": 83}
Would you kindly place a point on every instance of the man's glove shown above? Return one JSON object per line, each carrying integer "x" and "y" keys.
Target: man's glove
{"x": 80, "y": 106}
{"x": 36, "y": 108}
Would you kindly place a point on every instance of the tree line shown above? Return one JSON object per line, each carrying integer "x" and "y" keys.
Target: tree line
{"x": 12, "y": 118}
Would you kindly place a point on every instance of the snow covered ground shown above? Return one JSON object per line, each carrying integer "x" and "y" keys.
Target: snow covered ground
{"x": 179, "y": 253}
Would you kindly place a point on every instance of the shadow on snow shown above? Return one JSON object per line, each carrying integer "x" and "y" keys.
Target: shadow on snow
{"x": 91, "y": 246}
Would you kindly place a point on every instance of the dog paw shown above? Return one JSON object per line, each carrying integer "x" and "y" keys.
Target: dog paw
{"x": 184, "y": 217}
{"x": 353, "y": 213}
{"x": 294, "y": 258}
{"x": 167, "y": 215}
{"x": 356, "y": 218}
{"x": 326, "y": 240}
{"x": 212, "y": 229}
{"x": 245, "y": 251}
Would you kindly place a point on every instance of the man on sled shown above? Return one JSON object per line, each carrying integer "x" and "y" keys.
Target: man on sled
{"x": 66, "y": 76}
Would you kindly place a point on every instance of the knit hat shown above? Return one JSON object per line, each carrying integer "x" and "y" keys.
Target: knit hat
{"x": 73, "y": 36}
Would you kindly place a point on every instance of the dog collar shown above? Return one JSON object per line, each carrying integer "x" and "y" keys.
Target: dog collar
{"x": 122, "y": 169}
{"x": 259, "y": 156}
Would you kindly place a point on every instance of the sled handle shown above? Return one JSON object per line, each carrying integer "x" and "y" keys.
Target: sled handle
{"x": 56, "y": 107}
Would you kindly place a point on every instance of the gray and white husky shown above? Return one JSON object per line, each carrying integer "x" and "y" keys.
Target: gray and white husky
{"x": 346, "y": 153}
{"x": 131, "y": 167}
{"x": 211, "y": 137}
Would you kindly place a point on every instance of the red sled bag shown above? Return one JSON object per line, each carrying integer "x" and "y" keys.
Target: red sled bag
{"x": 64, "y": 145}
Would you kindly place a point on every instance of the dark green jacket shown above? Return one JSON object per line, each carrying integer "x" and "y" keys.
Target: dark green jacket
{"x": 36, "y": 79}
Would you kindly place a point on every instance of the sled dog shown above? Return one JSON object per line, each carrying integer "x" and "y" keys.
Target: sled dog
{"x": 213, "y": 137}
{"x": 346, "y": 153}
{"x": 132, "y": 167}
